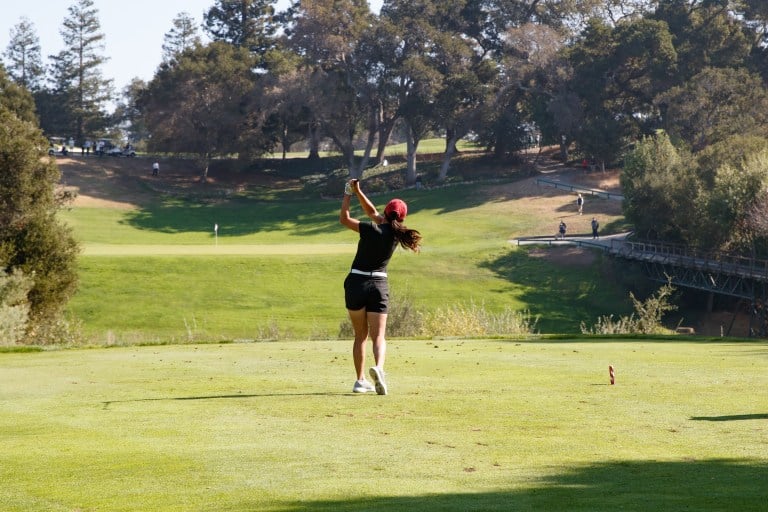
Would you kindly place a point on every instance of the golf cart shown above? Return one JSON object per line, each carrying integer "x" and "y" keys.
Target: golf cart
{"x": 125, "y": 151}
{"x": 57, "y": 146}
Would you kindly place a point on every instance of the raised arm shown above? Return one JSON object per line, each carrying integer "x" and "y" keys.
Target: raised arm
{"x": 368, "y": 207}
{"x": 345, "y": 217}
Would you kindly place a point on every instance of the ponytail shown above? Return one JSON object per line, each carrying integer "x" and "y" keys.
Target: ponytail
{"x": 407, "y": 238}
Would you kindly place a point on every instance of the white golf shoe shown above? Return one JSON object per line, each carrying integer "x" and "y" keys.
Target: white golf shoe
{"x": 379, "y": 382}
{"x": 362, "y": 386}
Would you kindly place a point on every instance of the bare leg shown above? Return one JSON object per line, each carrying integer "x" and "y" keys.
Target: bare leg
{"x": 360, "y": 326}
{"x": 377, "y": 323}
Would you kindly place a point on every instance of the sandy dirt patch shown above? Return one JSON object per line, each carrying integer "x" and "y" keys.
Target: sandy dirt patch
{"x": 607, "y": 181}
{"x": 119, "y": 182}
{"x": 548, "y": 206}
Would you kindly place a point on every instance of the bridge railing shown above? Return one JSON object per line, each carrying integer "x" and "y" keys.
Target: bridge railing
{"x": 575, "y": 188}
{"x": 668, "y": 254}
{"x": 720, "y": 262}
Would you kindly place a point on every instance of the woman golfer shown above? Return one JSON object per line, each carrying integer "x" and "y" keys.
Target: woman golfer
{"x": 366, "y": 290}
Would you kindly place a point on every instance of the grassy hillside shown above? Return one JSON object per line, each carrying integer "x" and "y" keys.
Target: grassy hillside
{"x": 154, "y": 269}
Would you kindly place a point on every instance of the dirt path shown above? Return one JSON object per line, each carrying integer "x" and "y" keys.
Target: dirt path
{"x": 102, "y": 182}
{"x": 119, "y": 182}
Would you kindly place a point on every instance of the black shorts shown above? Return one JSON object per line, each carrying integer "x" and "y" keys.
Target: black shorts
{"x": 371, "y": 293}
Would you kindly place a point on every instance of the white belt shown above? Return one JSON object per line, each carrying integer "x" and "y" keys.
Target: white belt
{"x": 370, "y": 274}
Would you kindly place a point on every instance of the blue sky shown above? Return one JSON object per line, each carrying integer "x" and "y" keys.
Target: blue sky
{"x": 133, "y": 30}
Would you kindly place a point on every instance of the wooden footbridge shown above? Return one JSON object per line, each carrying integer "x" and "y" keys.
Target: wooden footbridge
{"x": 714, "y": 272}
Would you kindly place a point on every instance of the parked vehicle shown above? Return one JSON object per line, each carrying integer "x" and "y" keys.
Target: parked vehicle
{"x": 57, "y": 146}
{"x": 124, "y": 151}
{"x": 102, "y": 146}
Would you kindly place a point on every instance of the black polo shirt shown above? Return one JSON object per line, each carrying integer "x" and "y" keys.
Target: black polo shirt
{"x": 375, "y": 248}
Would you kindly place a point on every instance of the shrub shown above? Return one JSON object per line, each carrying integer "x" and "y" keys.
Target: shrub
{"x": 32, "y": 239}
{"x": 404, "y": 319}
{"x": 14, "y": 307}
{"x": 473, "y": 320}
{"x": 58, "y": 330}
{"x": 396, "y": 181}
{"x": 607, "y": 325}
{"x": 645, "y": 320}
{"x": 375, "y": 185}
{"x": 460, "y": 320}
{"x": 651, "y": 311}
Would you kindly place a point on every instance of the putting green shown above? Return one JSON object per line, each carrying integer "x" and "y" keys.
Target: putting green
{"x": 212, "y": 249}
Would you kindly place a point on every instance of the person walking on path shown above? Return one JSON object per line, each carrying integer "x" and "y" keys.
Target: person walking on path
{"x": 155, "y": 169}
{"x": 580, "y": 203}
{"x": 366, "y": 289}
{"x": 561, "y": 229}
{"x": 595, "y": 227}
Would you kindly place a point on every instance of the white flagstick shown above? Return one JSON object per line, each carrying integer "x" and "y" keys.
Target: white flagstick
{"x": 216, "y": 233}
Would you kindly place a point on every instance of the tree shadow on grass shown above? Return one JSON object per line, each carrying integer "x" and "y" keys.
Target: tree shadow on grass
{"x": 708, "y": 485}
{"x": 561, "y": 295}
{"x": 237, "y": 217}
{"x": 241, "y": 216}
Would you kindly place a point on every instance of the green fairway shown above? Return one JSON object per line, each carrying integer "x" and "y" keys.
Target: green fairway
{"x": 181, "y": 297}
{"x": 159, "y": 273}
{"x": 215, "y": 250}
{"x": 468, "y": 425}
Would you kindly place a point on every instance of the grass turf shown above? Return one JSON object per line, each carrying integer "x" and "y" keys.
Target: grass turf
{"x": 469, "y": 425}
{"x": 186, "y": 298}
{"x": 156, "y": 272}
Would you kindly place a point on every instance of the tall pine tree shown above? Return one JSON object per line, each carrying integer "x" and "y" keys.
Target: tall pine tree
{"x": 246, "y": 24}
{"x": 80, "y": 88}
{"x": 23, "y": 58}
{"x": 182, "y": 36}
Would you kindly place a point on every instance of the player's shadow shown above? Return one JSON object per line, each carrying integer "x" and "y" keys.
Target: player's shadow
{"x": 108, "y": 403}
{"x": 733, "y": 417}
